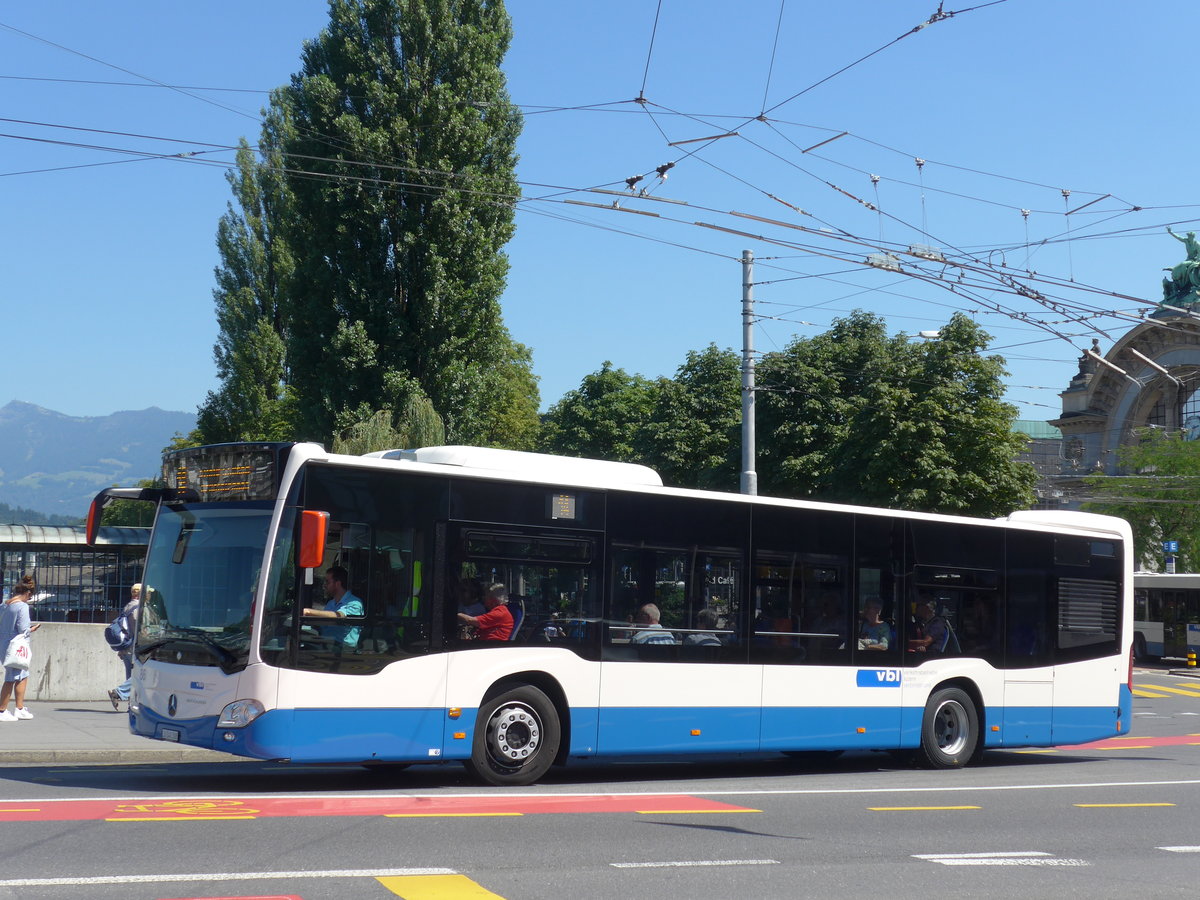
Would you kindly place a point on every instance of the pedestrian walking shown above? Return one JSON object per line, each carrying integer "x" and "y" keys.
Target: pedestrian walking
{"x": 14, "y": 622}
{"x": 120, "y": 634}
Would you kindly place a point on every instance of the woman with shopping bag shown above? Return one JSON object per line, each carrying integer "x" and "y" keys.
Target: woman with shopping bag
{"x": 15, "y": 627}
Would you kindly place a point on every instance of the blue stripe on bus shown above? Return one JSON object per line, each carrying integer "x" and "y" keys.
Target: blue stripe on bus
{"x": 831, "y": 728}
{"x": 1126, "y": 720}
{"x": 628, "y": 730}
{"x": 1080, "y": 724}
{"x": 427, "y": 735}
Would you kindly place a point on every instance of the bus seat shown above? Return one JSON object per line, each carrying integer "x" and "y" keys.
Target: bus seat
{"x": 517, "y": 608}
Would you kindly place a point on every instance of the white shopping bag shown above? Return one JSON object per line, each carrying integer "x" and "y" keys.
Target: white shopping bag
{"x": 17, "y": 654}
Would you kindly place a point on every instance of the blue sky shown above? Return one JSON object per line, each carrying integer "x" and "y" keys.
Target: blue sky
{"x": 108, "y": 257}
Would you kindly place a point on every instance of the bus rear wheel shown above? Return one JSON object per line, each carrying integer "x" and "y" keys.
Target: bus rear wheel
{"x": 949, "y": 730}
{"x": 516, "y": 737}
{"x": 1140, "y": 651}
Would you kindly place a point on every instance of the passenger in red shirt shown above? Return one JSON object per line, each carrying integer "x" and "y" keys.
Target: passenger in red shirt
{"x": 497, "y": 623}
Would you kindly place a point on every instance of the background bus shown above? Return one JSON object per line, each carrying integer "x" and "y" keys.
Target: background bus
{"x": 1166, "y": 615}
{"x": 1005, "y": 633}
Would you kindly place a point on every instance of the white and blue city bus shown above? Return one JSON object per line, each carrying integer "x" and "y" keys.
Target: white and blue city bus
{"x": 761, "y": 602}
{"x": 1166, "y": 614}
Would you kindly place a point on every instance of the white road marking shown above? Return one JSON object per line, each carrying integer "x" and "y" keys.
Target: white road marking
{"x": 1180, "y": 849}
{"x": 698, "y": 792}
{"x": 687, "y": 864}
{"x": 218, "y": 876}
{"x": 1007, "y": 858}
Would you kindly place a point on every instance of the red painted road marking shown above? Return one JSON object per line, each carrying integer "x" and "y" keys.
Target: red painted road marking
{"x": 199, "y": 809}
{"x": 1131, "y": 743}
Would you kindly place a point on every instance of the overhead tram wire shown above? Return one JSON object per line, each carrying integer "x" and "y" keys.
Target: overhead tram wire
{"x": 109, "y": 65}
{"x": 429, "y": 189}
{"x": 938, "y": 16}
{"x": 327, "y": 140}
{"x": 774, "y": 50}
{"x": 1005, "y": 281}
{"x": 650, "y": 50}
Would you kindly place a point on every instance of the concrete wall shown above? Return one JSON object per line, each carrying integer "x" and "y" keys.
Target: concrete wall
{"x": 72, "y": 661}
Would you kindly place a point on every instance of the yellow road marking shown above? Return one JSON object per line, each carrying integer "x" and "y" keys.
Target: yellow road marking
{"x": 1138, "y": 693}
{"x": 447, "y": 815}
{"x": 1117, "y": 805}
{"x": 917, "y": 808}
{"x": 436, "y": 887}
{"x": 1173, "y": 690}
{"x": 690, "y": 812}
{"x": 178, "y": 818}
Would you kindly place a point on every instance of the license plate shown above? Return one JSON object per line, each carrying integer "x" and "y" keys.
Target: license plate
{"x": 170, "y": 734}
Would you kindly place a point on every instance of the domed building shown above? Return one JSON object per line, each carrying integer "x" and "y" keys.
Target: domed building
{"x": 1148, "y": 378}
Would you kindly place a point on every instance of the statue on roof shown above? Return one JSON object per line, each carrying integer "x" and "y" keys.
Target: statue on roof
{"x": 1182, "y": 288}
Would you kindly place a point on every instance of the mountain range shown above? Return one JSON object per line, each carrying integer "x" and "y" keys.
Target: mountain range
{"x": 55, "y": 464}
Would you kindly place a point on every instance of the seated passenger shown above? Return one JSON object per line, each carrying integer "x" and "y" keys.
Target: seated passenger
{"x": 706, "y": 619}
{"x": 874, "y": 633}
{"x": 649, "y": 631}
{"x": 933, "y": 631}
{"x": 471, "y": 598}
{"x": 830, "y": 620}
{"x": 497, "y": 623}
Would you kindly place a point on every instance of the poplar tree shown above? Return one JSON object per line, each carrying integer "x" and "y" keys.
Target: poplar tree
{"x": 253, "y": 401}
{"x": 385, "y": 186}
{"x": 400, "y": 150}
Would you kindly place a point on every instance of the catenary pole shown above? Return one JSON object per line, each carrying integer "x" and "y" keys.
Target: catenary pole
{"x": 749, "y": 479}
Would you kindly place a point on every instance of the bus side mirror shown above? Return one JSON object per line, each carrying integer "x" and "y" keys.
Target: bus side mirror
{"x": 314, "y": 524}
{"x": 93, "y": 521}
{"x": 108, "y": 495}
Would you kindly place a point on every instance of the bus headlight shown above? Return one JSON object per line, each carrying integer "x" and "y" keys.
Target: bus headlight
{"x": 240, "y": 713}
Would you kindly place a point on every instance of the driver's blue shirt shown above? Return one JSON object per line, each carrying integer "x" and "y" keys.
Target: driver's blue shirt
{"x": 348, "y": 605}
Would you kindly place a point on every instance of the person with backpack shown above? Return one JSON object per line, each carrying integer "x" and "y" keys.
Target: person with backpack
{"x": 119, "y": 634}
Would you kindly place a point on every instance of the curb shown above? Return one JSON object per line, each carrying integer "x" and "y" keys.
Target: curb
{"x": 77, "y": 757}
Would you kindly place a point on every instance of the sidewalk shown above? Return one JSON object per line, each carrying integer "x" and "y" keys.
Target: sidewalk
{"x": 75, "y": 731}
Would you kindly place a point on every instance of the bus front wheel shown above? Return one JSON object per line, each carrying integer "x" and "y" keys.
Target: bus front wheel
{"x": 516, "y": 737}
{"x": 949, "y": 730}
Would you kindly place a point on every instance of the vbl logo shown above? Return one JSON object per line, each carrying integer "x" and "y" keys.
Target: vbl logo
{"x": 879, "y": 678}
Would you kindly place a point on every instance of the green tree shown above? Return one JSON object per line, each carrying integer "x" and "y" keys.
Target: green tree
{"x": 253, "y": 401}
{"x": 1159, "y": 496}
{"x": 693, "y": 434}
{"x": 400, "y": 146}
{"x": 416, "y": 424}
{"x": 131, "y": 512}
{"x": 510, "y": 400}
{"x": 361, "y": 263}
{"x": 854, "y": 415}
{"x": 601, "y": 418}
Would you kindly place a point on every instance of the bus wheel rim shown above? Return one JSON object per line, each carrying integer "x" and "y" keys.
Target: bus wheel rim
{"x": 950, "y": 727}
{"x": 514, "y": 734}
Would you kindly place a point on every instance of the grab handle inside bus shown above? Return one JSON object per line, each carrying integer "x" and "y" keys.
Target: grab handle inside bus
{"x": 313, "y": 527}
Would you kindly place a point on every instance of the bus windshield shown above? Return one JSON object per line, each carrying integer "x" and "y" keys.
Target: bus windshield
{"x": 202, "y": 569}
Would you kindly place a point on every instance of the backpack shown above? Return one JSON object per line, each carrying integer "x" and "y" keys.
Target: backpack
{"x": 118, "y": 633}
